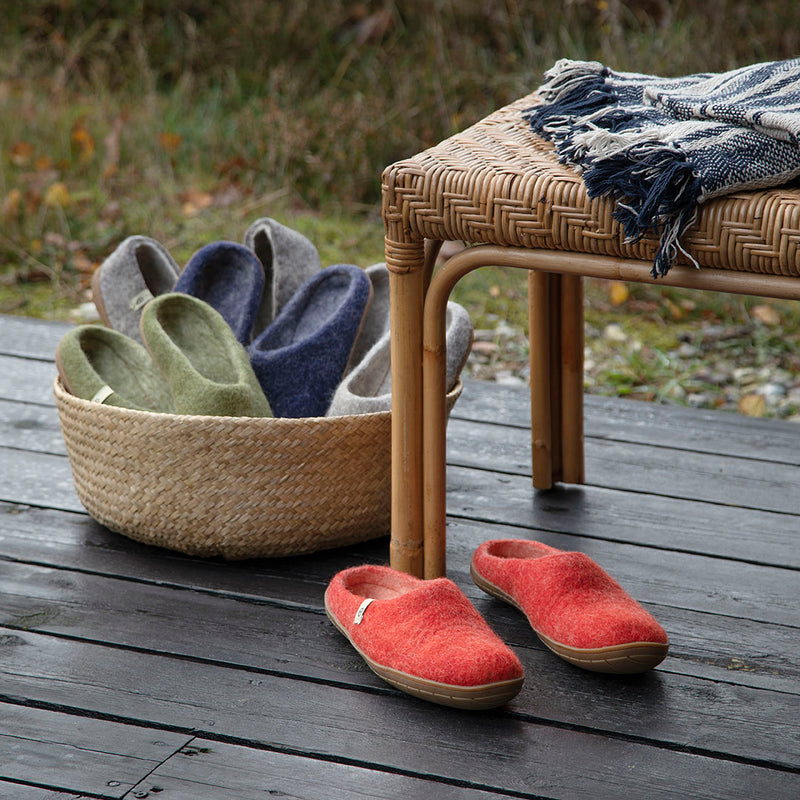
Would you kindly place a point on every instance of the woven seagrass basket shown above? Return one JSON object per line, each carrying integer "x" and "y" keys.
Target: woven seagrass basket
{"x": 237, "y": 487}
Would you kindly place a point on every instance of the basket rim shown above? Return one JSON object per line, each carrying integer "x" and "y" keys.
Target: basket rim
{"x": 64, "y": 396}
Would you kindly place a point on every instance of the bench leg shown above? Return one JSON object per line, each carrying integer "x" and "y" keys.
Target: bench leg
{"x": 406, "y": 292}
{"x": 555, "y": 305}
{"x": 572, "y": 342}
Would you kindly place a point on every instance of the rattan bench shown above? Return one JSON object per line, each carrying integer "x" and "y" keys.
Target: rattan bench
{"x": 499, "y": 187}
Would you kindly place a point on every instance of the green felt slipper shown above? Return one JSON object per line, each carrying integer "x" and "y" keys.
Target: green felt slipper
{"x": 207, "y": 369}
{"x": 105, "y": 366}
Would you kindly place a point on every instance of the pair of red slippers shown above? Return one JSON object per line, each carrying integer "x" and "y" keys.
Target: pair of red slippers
{"x": 427, "y": 639}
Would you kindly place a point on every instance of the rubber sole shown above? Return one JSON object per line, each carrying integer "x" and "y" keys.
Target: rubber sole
{"x": 473, "y": 698}
{"x": 623, "y": 659}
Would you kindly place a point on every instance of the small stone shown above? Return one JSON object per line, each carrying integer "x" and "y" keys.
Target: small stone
{"x": 613, "y": 333}
{"x": 507, "y": 378}
{"x": 84, "y": 313}
{"x": 485, "y": 348}
{"x": 699, "y": 400}
{"x": 772, "y": 391}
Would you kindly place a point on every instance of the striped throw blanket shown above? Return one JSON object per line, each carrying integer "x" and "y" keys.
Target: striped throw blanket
{"x": 660, "y": 146}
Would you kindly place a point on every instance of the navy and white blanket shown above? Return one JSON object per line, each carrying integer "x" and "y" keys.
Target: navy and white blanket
{"x": 660, "y": 146}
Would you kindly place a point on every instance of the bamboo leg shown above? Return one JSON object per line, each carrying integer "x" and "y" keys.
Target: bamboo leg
{"x": 554, "y": 377}
{"x": 572, "y": 341}
{"x": 434, "y": 435}
{"x": 540, "y": 359}
{"x": 406, "y": 297}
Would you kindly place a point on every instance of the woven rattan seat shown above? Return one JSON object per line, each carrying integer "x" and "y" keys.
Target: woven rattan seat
{"x": 499, "y": 185}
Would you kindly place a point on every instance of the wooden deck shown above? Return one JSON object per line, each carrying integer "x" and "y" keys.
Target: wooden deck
{"x": 129, "y": 671}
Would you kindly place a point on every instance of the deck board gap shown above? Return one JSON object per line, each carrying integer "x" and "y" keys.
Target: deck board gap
{"x": 673, "y": 747}
{"x": 46, "y": 787}
{"x": 645, "y": 545}
{"x": 626, "y": 490}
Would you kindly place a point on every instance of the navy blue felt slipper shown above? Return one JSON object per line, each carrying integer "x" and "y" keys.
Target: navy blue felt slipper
{"x": 301, "y": 357}
{"x": 230, "y": 278}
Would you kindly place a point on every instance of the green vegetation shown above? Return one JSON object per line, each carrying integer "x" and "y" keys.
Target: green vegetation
{"x": 187, "y": 119}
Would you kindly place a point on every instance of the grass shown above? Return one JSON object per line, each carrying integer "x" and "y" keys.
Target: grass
{"x": 185, "y": 121}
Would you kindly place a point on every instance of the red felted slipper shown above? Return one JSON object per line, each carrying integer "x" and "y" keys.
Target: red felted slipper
{"x": 423, "y": 637}
{"x": 576, "y": 608}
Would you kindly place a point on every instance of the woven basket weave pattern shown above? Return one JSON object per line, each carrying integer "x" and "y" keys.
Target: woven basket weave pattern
{"x": 498, "y": 182}
{"x": 233, "y": 487}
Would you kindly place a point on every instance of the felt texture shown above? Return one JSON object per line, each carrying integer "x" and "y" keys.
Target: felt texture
{"x": 367, "y": 388}
{"x": 376, "y": 320}
{"x": 139, "y": 269}
{"x": 288, "y": 258}
{"x": 425, "y": 628}
{"x": 207, "y": 369}
{"x": 566, "y": 596}
{"x": 230, "y": 279}
{"x": 91, "y": 357}
{"x": 301, "y": 357}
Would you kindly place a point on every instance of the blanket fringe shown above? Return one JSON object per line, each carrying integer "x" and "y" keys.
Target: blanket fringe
{"x": 657, "y": 189}
{"x": 656, "y": 186}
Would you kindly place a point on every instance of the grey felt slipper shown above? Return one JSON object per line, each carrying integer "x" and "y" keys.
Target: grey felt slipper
{"x": 376, "y": 322}
{"x": 368, "y": 387}
{"x": 289, "y": 260}
{"x": 138, "y": 270}
{"x": 208, "y": 371}
{"x": 105, "y": 366}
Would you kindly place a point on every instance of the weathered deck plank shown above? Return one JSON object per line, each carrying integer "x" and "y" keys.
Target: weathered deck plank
{"x": 694, "y": 512}
{"x": 375, "y": 727}
{"x": 79, "y": 753}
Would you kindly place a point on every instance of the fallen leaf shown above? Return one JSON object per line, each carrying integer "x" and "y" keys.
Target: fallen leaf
{"x": 194, "y": 201}
{"x": 170, "y": 141}
{"x": 82, "y": 142}
{"x": 766, "y": 314}
{"x": 618, "y": 292}
{"x": 12, "y": 204}
{"x": 753, "y": 405}
{"x": 82, "y": 263}
{"x": 20, "y": 153}
{"x": 57, "y": 195}
{"x": 675, "y": 311}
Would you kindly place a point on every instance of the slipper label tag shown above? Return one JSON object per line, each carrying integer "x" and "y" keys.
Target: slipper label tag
{"x": 140, "y": 300}
{"x": 361, "y": 609}
{"x": 102, "y": 394}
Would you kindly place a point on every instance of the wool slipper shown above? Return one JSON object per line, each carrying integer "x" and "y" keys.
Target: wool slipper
{"x": 138, "y": 270}
{"x": 423, "y": 637}
{"x": 367, "y": 388}
{"x": 207, "y": 369}
{"x": 230, "y": 279}
{"x": 376, "y": 321}
{"x": 301, "y": 357}
{"x": 105, "y": 366}
{"x": 288, "y": 260}
{"x": 576, "y": 608}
